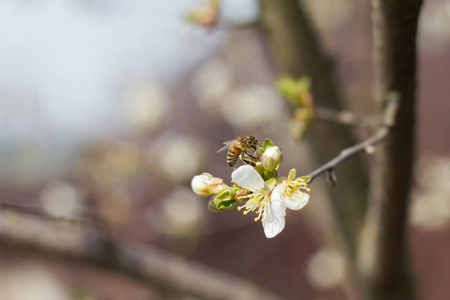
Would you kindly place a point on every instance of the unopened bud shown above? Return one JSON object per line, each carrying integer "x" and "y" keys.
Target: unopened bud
{"x": 205, "y": 185}
{"x": 271, "y": 158}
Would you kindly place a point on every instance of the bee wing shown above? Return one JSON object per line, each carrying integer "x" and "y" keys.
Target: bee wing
{"x": 227, "y": 145}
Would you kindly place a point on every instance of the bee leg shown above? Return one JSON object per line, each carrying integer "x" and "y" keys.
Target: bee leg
{"x": 256, "y": 157}
{"x": 248, "y": 159}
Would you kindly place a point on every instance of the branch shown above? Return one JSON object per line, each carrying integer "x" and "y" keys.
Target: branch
{"x": 387, "y": 123}
{"x": 168, "y": 273}
{"x": 343, "y": 117}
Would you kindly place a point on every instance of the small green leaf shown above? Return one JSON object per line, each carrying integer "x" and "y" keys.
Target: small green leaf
{"x": 305, "y": 179}
{"x": 224, "y": 205}
{"x": 296, "y": 91}
{"x": 267, "y": 143}
{"x": 292, "y": 174}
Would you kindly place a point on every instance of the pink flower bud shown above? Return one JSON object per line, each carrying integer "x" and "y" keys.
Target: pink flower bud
{"x": 271, "y": 158}
{"x": 205, "y": 185}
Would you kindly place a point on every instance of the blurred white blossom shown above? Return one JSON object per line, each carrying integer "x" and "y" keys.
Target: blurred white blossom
{"x": 430, "y": 211}
{"x": 30, "y": 284}
{"x": 179, "y": 157}
{"x": 252, "y": 106}
{"x": 326, "y": 268}
{"x": 182, "y": 213}
{"x": 433, "y": 173}
{"x": 211, "y": 83}
{"x": 435, "y": 32}
{"x": 62, "y": 200}
{"x": 147, "y": 106}
{"x": 430, "y": 207}
{"x": 239, "y": 12}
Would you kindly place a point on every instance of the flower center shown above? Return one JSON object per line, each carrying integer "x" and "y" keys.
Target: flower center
{"x": 295, "y": 189}
{"x": 257, "y": 202}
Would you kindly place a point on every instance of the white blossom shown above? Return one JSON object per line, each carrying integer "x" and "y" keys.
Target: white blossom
{"x": 270, "y": 203}
{"x": 271, "y": 211}
{"x": 293, "y": 192}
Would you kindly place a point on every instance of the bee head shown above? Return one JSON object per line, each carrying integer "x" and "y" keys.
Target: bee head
{"x": 253, "y": 142}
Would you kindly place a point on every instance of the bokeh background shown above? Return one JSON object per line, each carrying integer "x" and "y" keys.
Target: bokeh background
{"x": 108, "y": 108}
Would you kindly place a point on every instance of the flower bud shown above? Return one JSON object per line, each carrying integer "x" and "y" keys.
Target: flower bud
{"x": 205, "y": 185}
{"x": 271, "y": 157}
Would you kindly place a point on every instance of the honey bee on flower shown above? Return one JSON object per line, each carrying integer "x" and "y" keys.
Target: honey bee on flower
{"x": 257, "y": 184}
{"x": 239, "y": 149}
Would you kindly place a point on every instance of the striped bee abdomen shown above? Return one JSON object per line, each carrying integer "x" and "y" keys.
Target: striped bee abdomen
{"x": 233, "y": 155}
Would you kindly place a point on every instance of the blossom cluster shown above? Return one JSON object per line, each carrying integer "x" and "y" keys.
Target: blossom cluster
{"x": 264, "y": 193}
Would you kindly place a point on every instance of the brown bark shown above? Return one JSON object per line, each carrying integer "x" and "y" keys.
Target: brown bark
{"x": 383, "y": 255}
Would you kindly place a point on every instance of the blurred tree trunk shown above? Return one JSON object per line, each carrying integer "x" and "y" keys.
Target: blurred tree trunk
{"x": 383, "y": 257}
{"x": 297, "y": 51}
{"x": 380, "y": 260}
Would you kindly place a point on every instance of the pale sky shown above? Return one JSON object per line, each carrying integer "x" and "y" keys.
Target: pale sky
{"x": 63, "y": 63}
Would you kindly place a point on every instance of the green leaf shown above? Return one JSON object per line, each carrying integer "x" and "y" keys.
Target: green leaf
{"x": 224, "y": 205}
{"x": 267, "y": 143}
{"x": 305, "y": 179}
{"x": 296, "y": 91}
{"x": 292, "y": 174}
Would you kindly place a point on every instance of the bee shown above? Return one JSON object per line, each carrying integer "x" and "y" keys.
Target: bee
{"x": 239, "y": 149}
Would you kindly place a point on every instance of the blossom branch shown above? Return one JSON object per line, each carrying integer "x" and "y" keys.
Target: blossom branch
{"x": 162, "y": 271}
{"x": 387, "y": 123}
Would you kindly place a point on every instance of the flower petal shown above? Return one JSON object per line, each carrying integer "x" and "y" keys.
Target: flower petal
{"x": 273, "y": 225}
{"x": 247, "y": 177}
{"x": 297, "y": 201}
{"x": 278, "y": 201}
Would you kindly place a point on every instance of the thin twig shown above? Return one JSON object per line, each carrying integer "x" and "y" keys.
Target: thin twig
{"x": 386, "y": 125}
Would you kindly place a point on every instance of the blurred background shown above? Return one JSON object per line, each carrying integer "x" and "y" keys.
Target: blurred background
{"x": 109, "y": 108}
